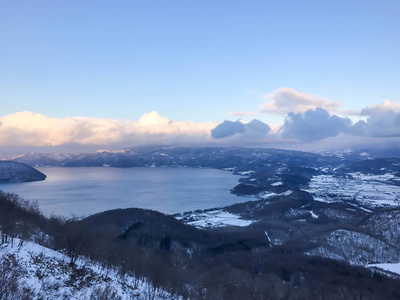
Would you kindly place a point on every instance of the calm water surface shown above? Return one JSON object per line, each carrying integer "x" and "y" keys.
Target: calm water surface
{"x": 84, "y": 191}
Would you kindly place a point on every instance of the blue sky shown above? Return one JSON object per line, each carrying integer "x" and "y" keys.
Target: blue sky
{"x": 194, "y": 61}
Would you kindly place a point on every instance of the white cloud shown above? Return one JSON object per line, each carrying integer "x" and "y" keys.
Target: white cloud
{"x": 34, "y": 129}
{"x": 153, "y": 118}
{"x": 242, "y": 130}
{"x": 286, "y": 100}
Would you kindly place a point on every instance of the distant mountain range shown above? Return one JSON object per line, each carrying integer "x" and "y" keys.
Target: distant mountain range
{"x": 265, "y": 167}
{"x": 207, "y": 157}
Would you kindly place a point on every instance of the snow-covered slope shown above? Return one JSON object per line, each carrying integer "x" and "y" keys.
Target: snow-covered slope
{"x": 31, "y": 271}
{"x": 356, "y": 248}
{"x": 392, "y": 268}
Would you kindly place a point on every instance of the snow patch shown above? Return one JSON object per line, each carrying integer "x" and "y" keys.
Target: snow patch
{"x": 266, "y": 194}
{"x": 245, "y": 172}
{"x": 212, "y": 219}
{"x": 287, "y": 193}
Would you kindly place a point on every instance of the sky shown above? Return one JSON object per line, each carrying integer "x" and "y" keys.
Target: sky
{"x": 109, "y": 74}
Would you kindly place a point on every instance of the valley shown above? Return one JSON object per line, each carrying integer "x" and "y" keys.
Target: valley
{"x": 323, "y": 224}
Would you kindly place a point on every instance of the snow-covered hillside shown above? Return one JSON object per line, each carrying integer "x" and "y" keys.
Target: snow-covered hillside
{"x": 31, "y": 271}
{"x": 369, "y": 191}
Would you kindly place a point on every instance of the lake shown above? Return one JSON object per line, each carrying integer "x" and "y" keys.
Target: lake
{"x": 84, "y": 191}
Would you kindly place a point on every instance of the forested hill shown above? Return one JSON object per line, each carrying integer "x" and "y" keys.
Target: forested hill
{"x": 11, "y": 171}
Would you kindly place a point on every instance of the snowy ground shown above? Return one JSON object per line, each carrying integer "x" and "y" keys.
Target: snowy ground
{"x": 45, "y": 274}
{"x": 220, "y": 218}
{"x": 355, "y": 248}
{"x": 393, "y": 268}
{"x": 212, "y": 219}
{"x": 367, "y": 190}
{"x": 245, "y": 172}
{"x": 266, "y": 195}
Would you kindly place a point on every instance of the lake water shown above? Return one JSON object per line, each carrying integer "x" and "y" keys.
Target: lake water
{"x": 84, "y": 191}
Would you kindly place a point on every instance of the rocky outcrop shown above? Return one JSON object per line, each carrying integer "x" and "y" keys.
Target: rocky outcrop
{"x": 17, "y": 172}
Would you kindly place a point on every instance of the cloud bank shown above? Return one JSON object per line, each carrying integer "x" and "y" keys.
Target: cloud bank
{"x": 34, "y": 129}
{"x": 313, "y": 125}
{"x": 318, "y": 124}
{"x": 380, "y": 124}
{"x": 301, "y": 128}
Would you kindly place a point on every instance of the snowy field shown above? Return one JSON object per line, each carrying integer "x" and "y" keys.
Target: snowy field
{"x": 212, "y": 219}
{"x": 367, "y": 190}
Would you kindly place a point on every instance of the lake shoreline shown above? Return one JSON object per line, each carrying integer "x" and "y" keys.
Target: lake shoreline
{"x": 87, "y": 190}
